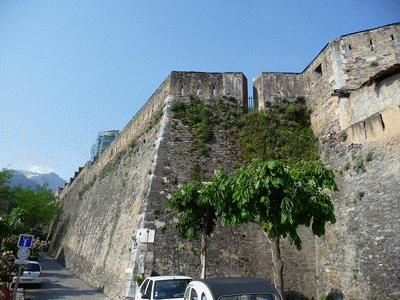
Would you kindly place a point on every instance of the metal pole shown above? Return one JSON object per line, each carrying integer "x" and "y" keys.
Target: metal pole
{"x": 16, "y": 284}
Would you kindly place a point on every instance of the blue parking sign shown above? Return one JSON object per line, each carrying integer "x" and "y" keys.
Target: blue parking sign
{"x": 25, "y": 241}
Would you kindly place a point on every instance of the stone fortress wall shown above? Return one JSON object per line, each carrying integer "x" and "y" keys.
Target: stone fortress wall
{"x": 353, "y": 90}
{"x": 199, "y": 84}
{"x": 108, "y": 229}
{"x": 345, "y": 65}
{"x": 111, "y": 231}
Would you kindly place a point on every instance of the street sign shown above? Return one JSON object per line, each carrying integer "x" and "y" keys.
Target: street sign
{"x": 23, "y": 253}
{"x": 25, "y": 241}
{"x": 21, "y": 261}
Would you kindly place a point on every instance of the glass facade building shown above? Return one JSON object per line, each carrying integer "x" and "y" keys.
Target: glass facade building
{"x": 103, "y": 140}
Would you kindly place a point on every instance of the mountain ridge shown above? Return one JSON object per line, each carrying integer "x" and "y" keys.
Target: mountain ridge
{"x": 33, "y": 179}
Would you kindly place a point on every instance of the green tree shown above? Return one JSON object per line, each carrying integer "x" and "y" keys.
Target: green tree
{"x": 22, "y": 211}
{"x": 36, "y": 208}
{"x": 279, "y": 199}
{"x": 196, "y": 216}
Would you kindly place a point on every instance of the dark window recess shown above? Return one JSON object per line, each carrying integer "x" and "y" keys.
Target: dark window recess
{"x": 370, "y": 44}
{"x": 393, "y": 40}
{"x": 198, "y": 91}
{"x": 318, "y": 71}
{"x": 383, "y": 123}
{"x": 351, "y": 50}
{"x": 182, "y": 90}
{"x": 213, "y": 90}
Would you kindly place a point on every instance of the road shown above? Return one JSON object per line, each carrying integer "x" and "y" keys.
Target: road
{"x": 59, "y": 283}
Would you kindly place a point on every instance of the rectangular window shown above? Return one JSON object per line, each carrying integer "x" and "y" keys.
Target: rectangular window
{"x": 318, "y": 71}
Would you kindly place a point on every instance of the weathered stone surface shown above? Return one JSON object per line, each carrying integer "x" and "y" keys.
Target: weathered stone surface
{"x": 111, "y": 202}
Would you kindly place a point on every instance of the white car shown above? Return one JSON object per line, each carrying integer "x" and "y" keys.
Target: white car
{"x": 163, "y": 287}
{"x": 231, "y": 288}
{"x": 32, "y": 274}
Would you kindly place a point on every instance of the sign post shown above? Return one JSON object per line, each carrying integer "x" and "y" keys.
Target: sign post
{"x": 24, "y": 243}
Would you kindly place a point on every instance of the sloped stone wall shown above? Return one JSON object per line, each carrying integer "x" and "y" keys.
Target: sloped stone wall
{"x": 358, "y": 257}
{"x": 114, "y": 201}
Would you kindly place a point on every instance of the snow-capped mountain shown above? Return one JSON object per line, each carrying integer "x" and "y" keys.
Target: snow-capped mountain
{"x": 33, "y": 179}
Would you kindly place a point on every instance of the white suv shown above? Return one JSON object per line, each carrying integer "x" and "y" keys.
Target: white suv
{"x": 163, "y": 287}
{"x": 32, "y": 274}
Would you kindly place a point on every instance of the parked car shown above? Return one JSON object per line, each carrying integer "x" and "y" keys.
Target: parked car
{"x": 163, "y": 287}
{"x": 231, "y": 288}
{"x": 32, "y": 274}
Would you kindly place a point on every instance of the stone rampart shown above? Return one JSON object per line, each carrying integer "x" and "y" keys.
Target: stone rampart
{"x": 115, "y": 226}
{"x": 269, "y": 86}
{"x": 210, "y": 85}
{"x": 347, "y": 62}
{"x": 357, "y": 257}
{"x": 372, "y": 112}
{"x": 109, "y": 229}
{"x": 199, "y": 84}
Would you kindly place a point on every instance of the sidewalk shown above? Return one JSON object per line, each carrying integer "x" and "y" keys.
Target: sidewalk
{"x": 20, "y": 294}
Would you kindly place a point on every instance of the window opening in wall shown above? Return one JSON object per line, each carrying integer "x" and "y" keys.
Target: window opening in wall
{"x": 198, "y": 91}
{"x": 318, "y": 71}
{"x": 213, "y": 90}
{"x": 351, "y": 50}
{"x": 182, "y": 90}
{"x": 393, "y": 40}
{"x": 383, "y": 123}
{"x": 370, "y": 44}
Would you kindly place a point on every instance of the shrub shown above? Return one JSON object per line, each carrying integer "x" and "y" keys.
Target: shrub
{"x": 343, "y": 135}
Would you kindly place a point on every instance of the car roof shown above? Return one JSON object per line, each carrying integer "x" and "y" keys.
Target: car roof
{"x": 237, "y": 285}
{"x": 31, "y": 262}
{"x": 168, "y": 277}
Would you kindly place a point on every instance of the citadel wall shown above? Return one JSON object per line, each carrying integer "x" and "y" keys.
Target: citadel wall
{"x": 114, "y": 226}
{"x": 269, "y": 86}
{"x": 346, "y": 63}
{"x": 353, "y": 90}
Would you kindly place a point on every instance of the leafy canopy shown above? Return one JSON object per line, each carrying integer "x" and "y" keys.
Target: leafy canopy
{"x": 276, "y": 196}
{"x": 24, "y": 210}
{"x": 282, "y": 133}
{"x": 189, "y": 201}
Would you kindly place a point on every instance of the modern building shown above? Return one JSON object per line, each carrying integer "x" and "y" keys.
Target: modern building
{"x": 103, "y": 140}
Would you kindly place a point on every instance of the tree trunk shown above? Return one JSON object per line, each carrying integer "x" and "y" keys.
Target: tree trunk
{"x": 278, "y": 266}
{"x": 203, "y": 255}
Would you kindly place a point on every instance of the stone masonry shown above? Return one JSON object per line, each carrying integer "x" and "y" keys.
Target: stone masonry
{"x": 115, "y": 226}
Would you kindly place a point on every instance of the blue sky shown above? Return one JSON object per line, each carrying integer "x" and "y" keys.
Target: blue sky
{"x": 70, "y": 69}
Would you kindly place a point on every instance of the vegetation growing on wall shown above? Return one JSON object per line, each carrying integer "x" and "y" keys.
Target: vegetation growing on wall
{"x": 283, "y": 133}
{"x": 200, "y": 120}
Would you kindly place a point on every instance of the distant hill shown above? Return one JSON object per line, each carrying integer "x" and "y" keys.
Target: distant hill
{"x": 32, "y": 179}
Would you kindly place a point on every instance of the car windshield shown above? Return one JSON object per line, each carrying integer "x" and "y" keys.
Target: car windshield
{"x": 250, "y": 297}
{"x": 168, "y": 289}
{"x": 32, "y": 267}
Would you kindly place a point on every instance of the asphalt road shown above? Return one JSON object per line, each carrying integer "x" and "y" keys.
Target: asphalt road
{"x": 59, "y": 283}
